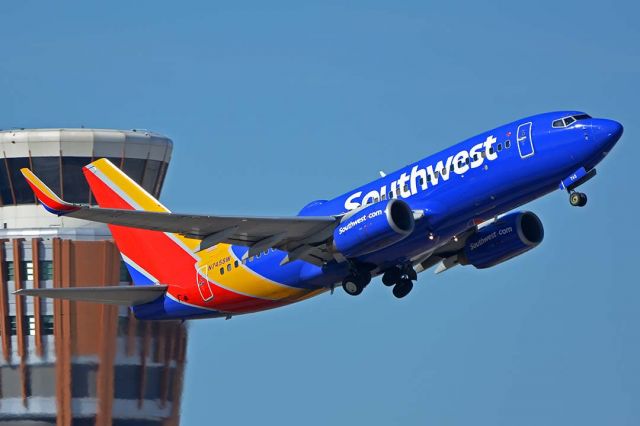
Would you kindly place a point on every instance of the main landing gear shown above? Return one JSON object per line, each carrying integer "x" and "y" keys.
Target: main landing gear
{"x": 577, "y": 199}
{"x": 400, "y": 279}
{"x": 356, "y": 282}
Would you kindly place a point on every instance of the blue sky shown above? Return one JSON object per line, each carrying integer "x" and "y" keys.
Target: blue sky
{"x": 273, "y": 104}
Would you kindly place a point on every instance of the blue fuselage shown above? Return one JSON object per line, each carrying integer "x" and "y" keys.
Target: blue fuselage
{"x": 472, "y": 181}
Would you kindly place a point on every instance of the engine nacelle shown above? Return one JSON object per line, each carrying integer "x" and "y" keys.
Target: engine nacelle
{"x": 510, "y": 236}
{"x": 373, "y": 227}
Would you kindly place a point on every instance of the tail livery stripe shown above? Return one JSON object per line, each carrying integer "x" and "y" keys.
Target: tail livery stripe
{"x": 47, "y": 197}
{"x": 162, "y": 255}
{"x": 124, "y": 186}
{"x": 138, "y": 275}
{"x": 242, "y": 281}
{"x": 135, "y": 196}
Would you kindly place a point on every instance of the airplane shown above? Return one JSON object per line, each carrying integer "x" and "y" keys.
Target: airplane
{"x": 453, "y": 208}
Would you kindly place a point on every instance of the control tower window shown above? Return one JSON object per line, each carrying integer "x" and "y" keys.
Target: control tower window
{"x": 134, "y": 168}
{"x": 48, "y": 170}
{"x": 163, "y": 173}
{"x": 151, "y": 175}
{"x": 21, "y": 190}
{"x": 74, "y": 187}
{"x": 5, "y": 189}
{"x": 64, "y": 176}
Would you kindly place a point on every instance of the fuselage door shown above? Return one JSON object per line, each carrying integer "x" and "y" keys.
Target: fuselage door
{"x": 523, "y": 137}
{"x": 203, "y": 283}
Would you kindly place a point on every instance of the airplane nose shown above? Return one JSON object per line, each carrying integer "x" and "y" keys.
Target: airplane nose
{"x": 607, "y": 132}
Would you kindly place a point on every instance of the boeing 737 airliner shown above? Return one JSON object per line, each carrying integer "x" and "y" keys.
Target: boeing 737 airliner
{"x": 451, "y": 208}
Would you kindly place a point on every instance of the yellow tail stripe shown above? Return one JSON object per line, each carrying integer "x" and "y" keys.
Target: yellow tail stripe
{"x": 243, "y": 280}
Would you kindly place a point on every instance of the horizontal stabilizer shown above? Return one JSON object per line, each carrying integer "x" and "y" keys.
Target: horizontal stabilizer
{"x": 126, "y": 296}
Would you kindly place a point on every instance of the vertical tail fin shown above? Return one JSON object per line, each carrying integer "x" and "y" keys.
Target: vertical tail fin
{"x": 147, "y": 254}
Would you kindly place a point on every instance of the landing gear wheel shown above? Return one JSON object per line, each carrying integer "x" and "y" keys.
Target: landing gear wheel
{"x": 578, "y": 199}
{"x": 402, "y": 288}
{"x": 391, "y": 276}
{"x": 352, "y": 286}
{"x": 583, "y": 199}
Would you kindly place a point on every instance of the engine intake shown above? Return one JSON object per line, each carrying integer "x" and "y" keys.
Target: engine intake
{"x": 510, "y": 236}
{"x": 373, "y": 227}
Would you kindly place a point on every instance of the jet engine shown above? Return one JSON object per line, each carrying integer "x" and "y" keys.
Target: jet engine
{"x": 373, "y": 227}
{"x": 509, "y": 236}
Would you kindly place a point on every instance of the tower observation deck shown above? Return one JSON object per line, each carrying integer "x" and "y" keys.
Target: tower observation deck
{"x": 78, "y": 363}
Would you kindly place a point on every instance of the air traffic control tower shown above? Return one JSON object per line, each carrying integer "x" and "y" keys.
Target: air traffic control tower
{"x": 64, "y": 363}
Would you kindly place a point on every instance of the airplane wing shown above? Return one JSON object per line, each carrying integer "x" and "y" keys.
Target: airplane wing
{"x": 445, "y": 256}
{"x": 302, "y": 236}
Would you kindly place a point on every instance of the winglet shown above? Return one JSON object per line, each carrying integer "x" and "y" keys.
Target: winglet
{"x": 47, "y": 197}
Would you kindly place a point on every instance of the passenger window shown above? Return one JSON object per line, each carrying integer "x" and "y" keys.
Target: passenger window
{"x": 428, "y": 178}
{"x": 236, "y": 263}
{"x": 229, "y": 267}
{"x": 221, "y": 271}
{"x": 499, "y": 147}
{"x": 406, "y": 187}
{"x": 507, "y": 144}
{"x": 383, "y": 197}
{"x": 437, "y": 174}
{"x": 468, "y": 161}
{"x": 491, "y": 150}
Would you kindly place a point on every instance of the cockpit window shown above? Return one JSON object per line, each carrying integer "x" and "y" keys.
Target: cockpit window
{"x": 568, "y": 121}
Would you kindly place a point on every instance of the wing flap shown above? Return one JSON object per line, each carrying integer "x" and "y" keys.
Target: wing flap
{"x": 125, "y": 296}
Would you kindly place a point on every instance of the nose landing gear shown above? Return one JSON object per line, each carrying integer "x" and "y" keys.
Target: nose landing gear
{"x": 577, "y": 178}
{"x": 578, "y": 199}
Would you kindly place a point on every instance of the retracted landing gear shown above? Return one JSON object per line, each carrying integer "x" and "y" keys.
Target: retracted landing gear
{"x": 354, "y": 284}
{"x": 578, "y": 199}
{"x": 401, "y": 279}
